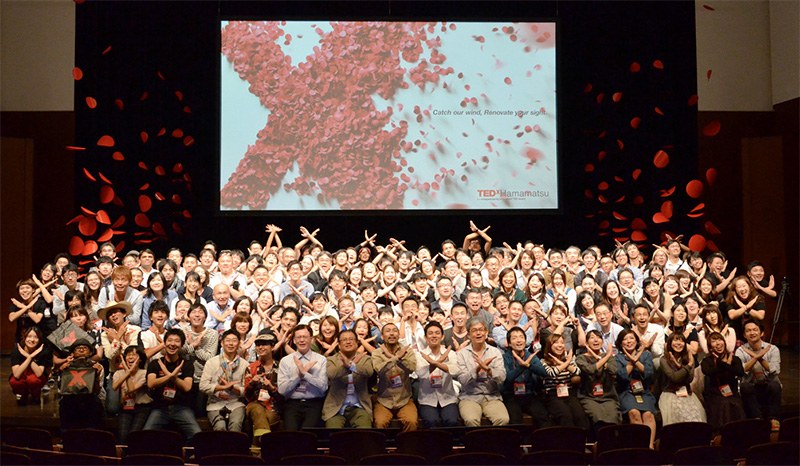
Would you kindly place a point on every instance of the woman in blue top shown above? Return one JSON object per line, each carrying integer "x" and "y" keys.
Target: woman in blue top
{"x": 157, "y": 290}
{"x": 634, "y": 374}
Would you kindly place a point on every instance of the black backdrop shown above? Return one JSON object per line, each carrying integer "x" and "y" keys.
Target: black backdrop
{"x": 152, "y": 67}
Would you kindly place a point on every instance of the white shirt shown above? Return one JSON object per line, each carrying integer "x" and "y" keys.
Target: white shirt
{"x": 313, "y": 385}
{"x": 444, "y": 395}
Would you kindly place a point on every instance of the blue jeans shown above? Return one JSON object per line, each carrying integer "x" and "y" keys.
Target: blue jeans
{"x": 112, "y": 397}
{"x": 180, "y": 415}
{"x": 128, "y": 421}
{"x": 432, "y": 417}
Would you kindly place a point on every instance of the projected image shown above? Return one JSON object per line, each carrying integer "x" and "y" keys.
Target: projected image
{"x": 382, "y": 115}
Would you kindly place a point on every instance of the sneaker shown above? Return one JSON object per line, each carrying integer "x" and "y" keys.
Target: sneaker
{"x": 46, "y": 389}
{"x": 776, "y": 425}
{"x": 18, "y": 396}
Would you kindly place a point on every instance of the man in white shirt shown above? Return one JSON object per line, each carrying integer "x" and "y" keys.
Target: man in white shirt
{"x": 236, "y": 282}
{"x": 761, "y": 387}
{"x": 651, "y": 335}
{"x": 481, "y": 372}
{"x": 436, "y": 367}
{"x": 604, "y": 325}
{"x": 303, "y": 381}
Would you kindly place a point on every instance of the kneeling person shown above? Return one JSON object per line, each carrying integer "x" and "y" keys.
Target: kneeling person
{"x": 348, "y": 400}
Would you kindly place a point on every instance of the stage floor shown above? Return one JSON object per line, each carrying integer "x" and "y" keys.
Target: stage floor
{"x": 45, "y": 416}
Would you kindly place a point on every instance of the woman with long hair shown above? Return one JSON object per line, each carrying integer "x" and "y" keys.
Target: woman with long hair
{"x": 677, "y": 402}
{"x": 723, "y": 370}
{"x": 536, "y": 290}
{"x": 655, "y": 299}
{"x": 560, "y": 290}
{"x": 621, "y": 307}
{"x": 679, "y": 323}
{"x": 507, "y": 280}
{"x": 93, "y": 285}
{"x": 157, "y": 290}
{"x": 744, "y": 303}
{"x": 634, "y": 374}
{"x": 560, "y": 384}
{"x": 714, "y": 322}
{"x": 327, "y": 342}
{"x": 584, "y": 308}
{"x": 242, "y": 324}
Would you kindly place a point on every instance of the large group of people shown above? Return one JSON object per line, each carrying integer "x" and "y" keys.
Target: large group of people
{"x": 300, "y": 336}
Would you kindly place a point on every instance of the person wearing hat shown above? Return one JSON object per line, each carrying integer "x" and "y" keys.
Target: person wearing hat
{"x": 261, "y": 387}
{"x": 80, "y": 406}
{"x": 118, "y": 334}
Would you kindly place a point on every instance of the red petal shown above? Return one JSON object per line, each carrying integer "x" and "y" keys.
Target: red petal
{"x": 108, "y": 49}
{"x": 77, "y": 218}
{"x": 159, "y": 196}
{"x": 711, "y": 176}
{"x": 161, "y": 75}
{"x": 145, "y": 203}
{"x": 602, "y": 186}
{"x": 88, "y": 175}
{"x": 658, "y": 64}
{"x": 144, "y": 136}
{"x": 144, "y": 186}
{"x": 712, "y": 229}
{"x": 635, "y": 67}
{"x": 186, "y": 109}
{"x": 176, "y": 199}
{"x": 661, "y": 159}
{"x": 142, "y": 166}
{"x": 177, "y": 133}
{"x": 708, "y": 75}
{"x": 102, "y": 217}
{"x": 188, "y": 141}
{"x": 600, "y": 97}
{"x": 602, "y": 199}
{"x": 666, "y": 209}
{"x": 697, "y": 243}
{"x": 106, "y": 194}
{"x": 104, "y": 178}
{"x": 91, "y": 103}
{"x": 636, "y": 173}
{"x": 658, "y": 110}
{"x": 588, "y": 88}
{"x": 177, "y": 168}
{"x": 89, "y": 248}
{"x": 635, "y": 122}
{"x": 697, "y": 208}
{"x": 711, "y": 246}
{"x": 142, "y": 220}
{"x": 159, "y": 230}
{"x": 619, "y": 230}
{"x": 708, "y": 8}
{"x": 118, "y": 156}
{"x": 118, "y": 202}
{"x": 620, "y": 144}
{"x": 712, "y": 128}
{"x": 694, "y": 188}
{"x": 87, "y": 211}
{"x": 660, "y": 218}
{"x": 616, "y": 97}
{"x": 74, "y": 148}
{"x": 588, "y": 168}
{"x": 638, "y": 236}
{"x": 603, "y": 225}
{"x": 638, "y": 200}
{"x": 144, "y": 95}
{"x": 162, "y": 131}
{"x": 77, "y": 73}
{"x": 87, "y": 226}
{"x": 692, "y": 100}
{"x": 179, "y": 94}
{"x": 187, "y": 214}
{"x": 638, "y": 224}
{"x": 107, "y": 235}
{"x": 120, "y": 246}
{"x": 588, "y": 194}
{"x": 76, "y": 246}
{"x": 120, "y": 104}
{"x": 177, "y": 228}
{"x": 619, "y": 216}
{"x": 667, "y": 192}
{"x": 119, "y": 222}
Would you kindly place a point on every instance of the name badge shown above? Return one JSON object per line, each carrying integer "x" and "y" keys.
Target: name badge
{"x": 128, "y": 403}
{"x": 639, "y": 399}
{"x": 636, "y": 386}
{"x": 263, "y": 395}
{"x": 597, "y": 389}
{"x": 726, "y": 390}
{"x": 482, "y": 375}
{"x": 682, "y": 392}
{"x": 395, "y": 381}
{"x": 98, "y": 324}
{"x": 436, "y": 381}
{"x": 562, "y": 390}
{"x": 301, "y": 387}
{"x": 519, "y": 389}
{"x": 351, "y": 388}
{"x": 169, "y": 393}
{"x": 47, "y": 312}
{"x": 759, "y": 376}
{"x": 224, "y": 394}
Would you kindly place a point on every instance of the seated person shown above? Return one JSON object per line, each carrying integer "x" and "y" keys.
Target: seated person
{"x": 524, "y": 374}
{"x": 170, "y": 381}
{"x": 394, "y": 364}
{"x": 131, "y": 380}
{"x": 348, "y": 401}
{"x": 480, "y": 372}
{"x": 436, "y": 366}
{"x": 223, "y": 382}
{"x": 760, "y": 386}
{"x": 80, "y": 386}
{"x": 261, "y": 387}
{"x": 303, "y": 381}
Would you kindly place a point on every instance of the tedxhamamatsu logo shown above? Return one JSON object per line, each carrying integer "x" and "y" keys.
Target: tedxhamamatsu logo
{"x": 510, "y": 195}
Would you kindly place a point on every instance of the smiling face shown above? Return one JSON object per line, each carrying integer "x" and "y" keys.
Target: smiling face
{"x": 743, "y": 289}
{"x": 629, "y": 342}
{"x": 390, "y": 334}
{"x": 230, "y": 344}
{"x": 172, "y": 344}
{"x": 477, "y": 333}
{"x": 679, "y": 315}
{"x": 515, "y": 311}
{"x": 516, "y": 340}
{"x": 156, "y": 283}
{"x": 197, "y": 317}
{"x": 116, "y": 317}
{"x": 158, "y": 318}
{"x": 221, "y": 295}
{"x": 558, "y": 347}
{"x": 603, "y": 315}
{"x": 594, "y": 342}
{"x": 587, "y": 302}
{"x": 678, "y": 345}
{"x": 31, "y": 340}
{"x": 327, "y": 330}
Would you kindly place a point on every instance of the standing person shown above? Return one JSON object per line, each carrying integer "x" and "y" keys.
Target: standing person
{"x": 348, "y": 401}
{"x": 116, "y": 337}
{"x": 303, "y": 381}
{"x": 723, "y": 371}
{"x": 170, "y": 381}
{"x": 677, "y": 402}
{"x": 436, "y": 366}
{"x": 223, "y": 383}
{"x": 29, "y": 367}
{"x": 261, "y": 387}
{"x": 394, "y": 364}
{"x": 634, "y": 374}
{"x": 131, "y": 380}
{"x": 761, "y": 387}
{"x": 481, "y": 373}
{"x": 201, "y": 345}
{"x": 597, "y": 393}
{"x": 120, "y": 290}
{"x": 524, "y": 375}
